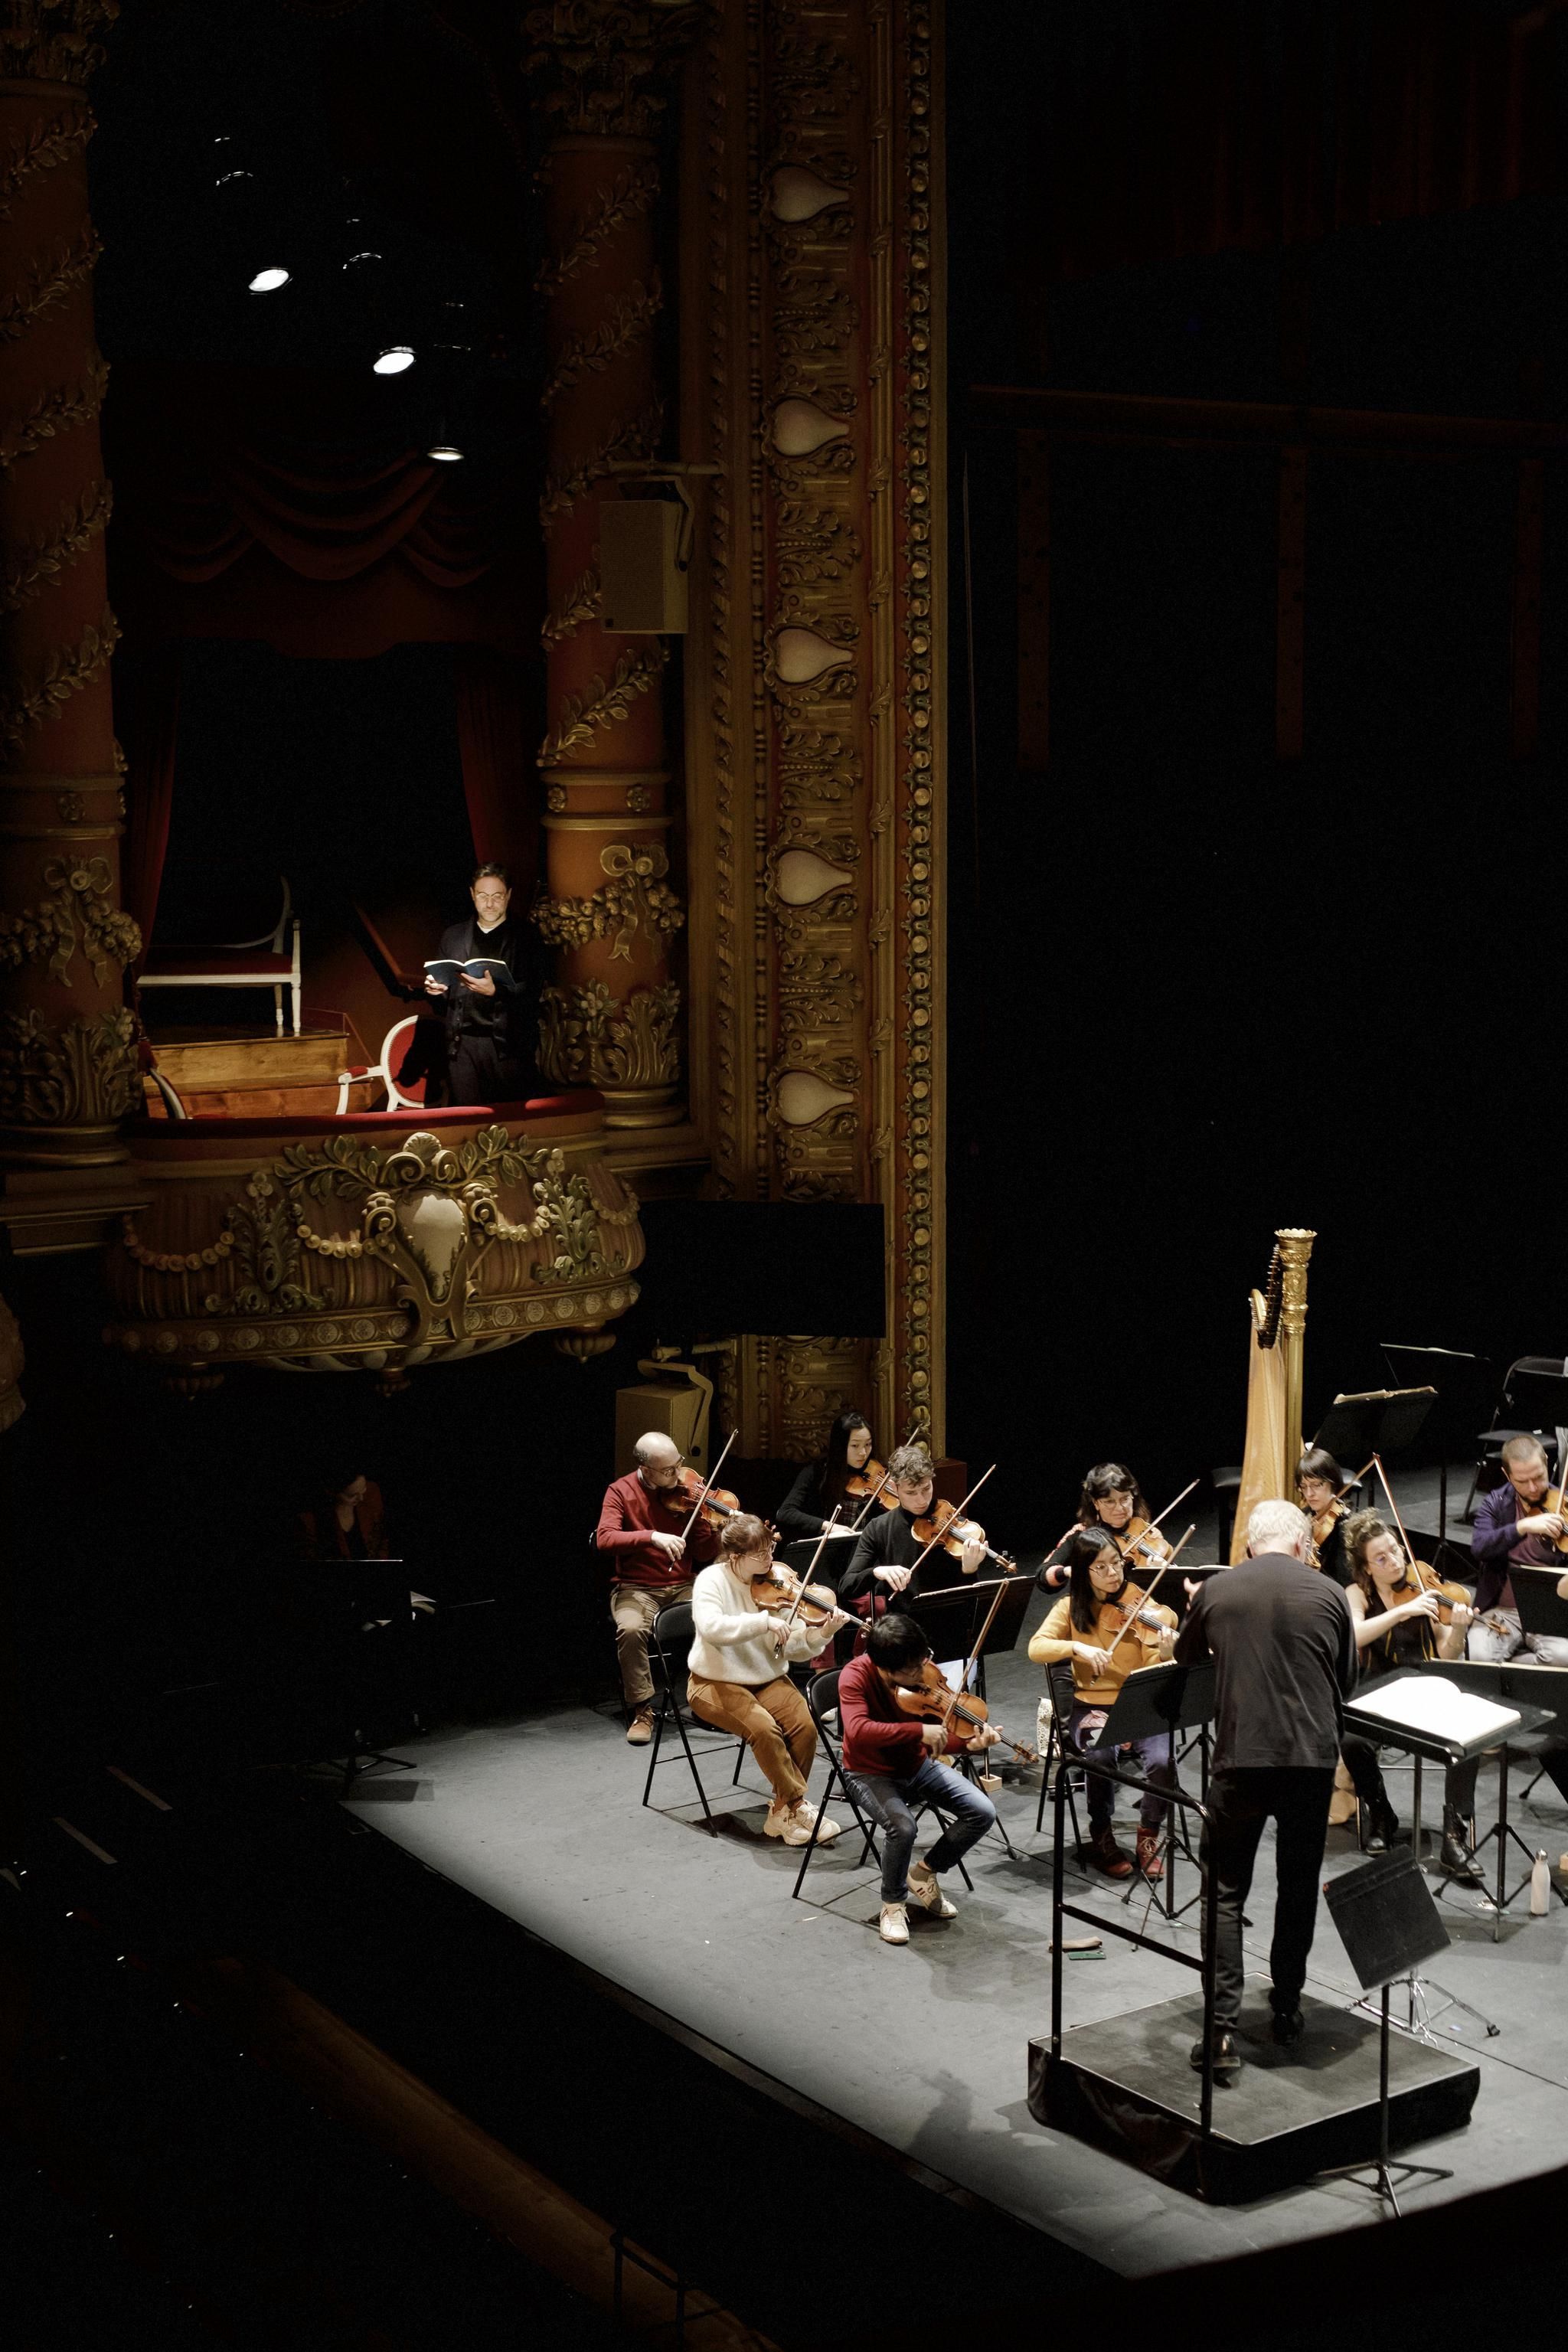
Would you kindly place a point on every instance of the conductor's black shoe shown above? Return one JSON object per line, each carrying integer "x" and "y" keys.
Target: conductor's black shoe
{"x": 1226, "y": 2058}
{"x": 1288, "y": 2025}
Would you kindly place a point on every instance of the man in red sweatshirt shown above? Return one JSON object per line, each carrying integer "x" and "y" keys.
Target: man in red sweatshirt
{"x": 890, "y": 1763}
{"x": 652, "y": 1560}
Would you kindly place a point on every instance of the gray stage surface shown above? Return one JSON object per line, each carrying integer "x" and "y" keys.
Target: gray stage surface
{"x": 540, "y": 1817}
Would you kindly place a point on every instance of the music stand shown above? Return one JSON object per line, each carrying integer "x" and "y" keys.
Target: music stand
{"x": 1540, "y": 1611}
{"x": 1453, "y": 1374}
{"x": 1388, "y": 1924}
{"x": 1377, "y": 1420}
{"x": 1167, "y": 1697}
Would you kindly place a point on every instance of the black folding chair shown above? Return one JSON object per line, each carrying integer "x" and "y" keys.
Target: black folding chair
{"x": 822, "y": 1697}
{"x": 1066, "y": 1758}
{"x": 1533, "y": 1403}
{"x": 671, "y": 1641}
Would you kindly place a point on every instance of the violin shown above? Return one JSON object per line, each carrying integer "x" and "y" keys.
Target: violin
{"x": 1551, "y": 1501}
{"x": 870, "y": 1480}
{"x": 943, "y": 1525}
{"x": 1325, "y": 1521}
{"x": 718, "y": 1503}
{"x": 1133, "y": 1607}
{"x": 934, "y": 1700}
{"x": 1140, "y": 1539}
{"x": 1420, "y": 1577}
{"x": 779, "y": 1591}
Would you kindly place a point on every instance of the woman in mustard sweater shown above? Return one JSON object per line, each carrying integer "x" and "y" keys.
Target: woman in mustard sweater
{"x": 1092, "y": 1625}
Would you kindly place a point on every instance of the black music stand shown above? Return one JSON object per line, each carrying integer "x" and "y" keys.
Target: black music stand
{"x": 1540, "y": 1609}
{"x": 1386, "y": 1422}
{"x": 1388, "y": 1924}
{"x": 1457, "y": 1378}
{"x": 1164, "y": 1697}
{"x": 1537, "y": 1694}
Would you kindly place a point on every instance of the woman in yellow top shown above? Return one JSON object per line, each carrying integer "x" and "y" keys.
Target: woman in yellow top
{"x": 1107, "y": 1627}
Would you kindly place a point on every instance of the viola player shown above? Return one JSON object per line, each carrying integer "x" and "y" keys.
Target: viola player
{"x": 642, "y": 1534}
{"x": 884, "y": 1557}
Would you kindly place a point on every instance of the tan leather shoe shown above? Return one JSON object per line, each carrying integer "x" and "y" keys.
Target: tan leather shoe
{"x": 639, "y": 1730}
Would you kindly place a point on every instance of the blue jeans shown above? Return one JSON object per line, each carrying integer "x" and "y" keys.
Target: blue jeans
{"x": 1152, "y": 1757}
{"x": 890, "y": 1804}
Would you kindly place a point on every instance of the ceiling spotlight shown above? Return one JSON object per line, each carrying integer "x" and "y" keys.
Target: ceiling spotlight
{"x": 226, "y": 179}
{"x": 361, "y": 256}
{"x": 445, "y": 451}
{"x": 394, "y": 359}
{"x": 268, "y": 282}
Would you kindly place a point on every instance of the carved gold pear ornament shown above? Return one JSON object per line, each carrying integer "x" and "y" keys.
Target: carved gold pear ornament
{"x": 345, "y": 1254}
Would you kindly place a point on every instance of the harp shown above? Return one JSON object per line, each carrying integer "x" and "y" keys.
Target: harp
{"x": 1277, "y": 1320}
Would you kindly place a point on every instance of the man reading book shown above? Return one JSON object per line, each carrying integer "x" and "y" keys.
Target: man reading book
{"x": 486, "y": 1052}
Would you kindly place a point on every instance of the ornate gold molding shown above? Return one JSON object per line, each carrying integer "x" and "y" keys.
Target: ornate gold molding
{"x": 38, "y": 562}
{"x": 580, "y": 603}
{"x": 586, "y": 715}
{"x": 635, "y": 899}
{"x": 54, "y": 40}
{"x": 54, "y": 411}
{"x": 46, "y": 146}
{"x": 629, "y": 437}
{"x": 66, "y": 673}
{"x": 589, "y": 1038}
{"x": 628, "y": 319}
{"x": 67, "y": 1074}
{"x": 81, "y": 893}
{"x": 48, "y": 281}
{"x": 632, "y": 192}
{"x": 601, "y": 65}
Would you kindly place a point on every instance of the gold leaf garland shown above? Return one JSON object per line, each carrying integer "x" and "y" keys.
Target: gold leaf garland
{"x": 48, "y": 145}
{"x": 631, "y": 437}
{"x": 583, "y": 716}
{"x": 54, "y": 411}
{"x": 628, "y": 319}
{"x": 66, "y": 674}
{"x": 631, "y": 194}
{"x": 49, "y": 281}
{"x": 633, "y": 898}
{"x": 43, "y": 561}
{"x": 582, "y": 601}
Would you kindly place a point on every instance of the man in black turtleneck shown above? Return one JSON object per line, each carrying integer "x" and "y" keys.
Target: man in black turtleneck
{"x": 889, "y": 1548}
{"x": 488, "y": 1047}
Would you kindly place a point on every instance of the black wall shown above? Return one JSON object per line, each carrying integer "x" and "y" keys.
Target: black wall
{"x": 1196, "y": 993}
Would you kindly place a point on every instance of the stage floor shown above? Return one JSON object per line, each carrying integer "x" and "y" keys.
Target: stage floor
{"x": 926, "y": 2048}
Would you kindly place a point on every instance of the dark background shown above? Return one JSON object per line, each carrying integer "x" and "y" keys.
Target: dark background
{"x": 1196, "y": 993}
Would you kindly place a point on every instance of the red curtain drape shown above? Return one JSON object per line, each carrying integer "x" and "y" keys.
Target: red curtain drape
{"x": 491, "y": 739}
{"x": 146, "y": 721}
{"x": 1171, "y": 128}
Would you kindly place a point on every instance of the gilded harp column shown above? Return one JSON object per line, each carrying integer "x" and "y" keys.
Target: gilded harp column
{"x": 68, "y": 1073}
{"x": 1295, "y": 1243}
{"x": 600, "y": 70}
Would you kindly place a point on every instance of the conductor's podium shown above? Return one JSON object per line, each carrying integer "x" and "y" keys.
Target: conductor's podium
{"x": 375, "y": 1242}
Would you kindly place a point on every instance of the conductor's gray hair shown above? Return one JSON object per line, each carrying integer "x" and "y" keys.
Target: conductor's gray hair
{"x": 1276, "y": 1527}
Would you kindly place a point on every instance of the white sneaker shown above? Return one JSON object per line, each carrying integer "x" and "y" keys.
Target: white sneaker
{"x": 894, "y": 1923}
{"x": 785, "y": 1821}
{"x": 827, "y": 1829}
{"x": 925, "y": 1889}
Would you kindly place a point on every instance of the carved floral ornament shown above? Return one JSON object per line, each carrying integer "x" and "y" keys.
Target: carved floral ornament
{"x": 587, "y": 1037}
{"x": 418, "y": 1259}
{"x": 77, "y": 1073}
{"x": 54, "y": 40}
{"x": 79, "y": 895}
{"x": 635, "y": 899}
{"x": 603, "y": 65}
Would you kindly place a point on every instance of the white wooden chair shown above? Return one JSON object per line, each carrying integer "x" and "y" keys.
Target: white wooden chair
{"x": 393, "y": 1047}
{"x": 270, "y": 962}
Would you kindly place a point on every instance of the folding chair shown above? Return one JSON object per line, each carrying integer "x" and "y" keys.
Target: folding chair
{"x": 822, "y": 1697}
{"x": 1060, "y": 1680}
{"x": 1535, "y": 1398}
{"x": 672, "y": 1635}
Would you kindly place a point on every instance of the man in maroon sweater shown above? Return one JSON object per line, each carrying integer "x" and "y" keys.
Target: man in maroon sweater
{"x": 652, "y": 1561}
{"x": 890, "y": 1763}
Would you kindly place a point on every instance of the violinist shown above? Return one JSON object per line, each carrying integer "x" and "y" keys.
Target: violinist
{"x": 738, "y": 1681}
{"x": 642, "y": 1534}
{"x": 1519, "y": 1523}
{"x": 1318, "y": 1479}
{"x": 1100, "y": 1623}
{"x": 1397, "y": 1624}
{"x": 884, "y": 1557}
{"x": 890, "y": 1762}
{"x": 836, "y": 1479}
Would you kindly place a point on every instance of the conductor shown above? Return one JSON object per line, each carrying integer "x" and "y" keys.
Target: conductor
{"x": 1283, "y": 1643}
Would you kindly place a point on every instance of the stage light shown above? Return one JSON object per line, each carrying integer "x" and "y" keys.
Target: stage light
{"x": 268, "y": 282}
{"x": 444, "y": 451}
{"x": 394, "y": 359}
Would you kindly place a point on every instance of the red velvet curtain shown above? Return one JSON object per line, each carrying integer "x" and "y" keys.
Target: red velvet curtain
{"x": 146, "y": 721}
{"x": 1180, "y": 127}
{"x": 491, "y": 739}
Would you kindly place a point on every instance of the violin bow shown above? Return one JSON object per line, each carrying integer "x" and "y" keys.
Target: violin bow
{"x": 1153, "y": 1586}
{"x": 958, "y": 1515}
{"x": 806, "y": 1580}
{"x": 1409, "y": 1555}
{"x": 708, "y": 1488}
{"x": 1154, "y": 1524}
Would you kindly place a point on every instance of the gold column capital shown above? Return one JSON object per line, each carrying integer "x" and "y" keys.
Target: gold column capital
{"x": 599, "y": 65}
{"x": 53, "y": 40}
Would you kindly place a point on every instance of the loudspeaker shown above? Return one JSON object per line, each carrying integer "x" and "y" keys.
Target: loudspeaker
{"x": 643, "y": 585}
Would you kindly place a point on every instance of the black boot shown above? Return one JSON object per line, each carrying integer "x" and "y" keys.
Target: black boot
{"x": 1454, "y": 1854}
{"x": 1381, "y": 1825}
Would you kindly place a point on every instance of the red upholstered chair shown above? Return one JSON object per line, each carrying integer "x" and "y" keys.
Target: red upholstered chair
{"x": 270, "y": 962}
{"x": 393, "y": 1047}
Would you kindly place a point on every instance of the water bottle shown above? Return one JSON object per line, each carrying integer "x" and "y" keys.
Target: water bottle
{"x": 1539, "y": 1888}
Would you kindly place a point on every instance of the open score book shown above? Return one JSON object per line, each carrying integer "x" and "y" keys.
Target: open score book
{"x": 1427, "y": 1703}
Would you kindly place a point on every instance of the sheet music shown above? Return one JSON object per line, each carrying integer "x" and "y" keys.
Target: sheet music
{"x": 1441, "y": 1710}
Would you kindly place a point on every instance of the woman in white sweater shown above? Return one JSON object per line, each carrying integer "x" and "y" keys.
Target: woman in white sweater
{"x": 738, "y": 1681}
